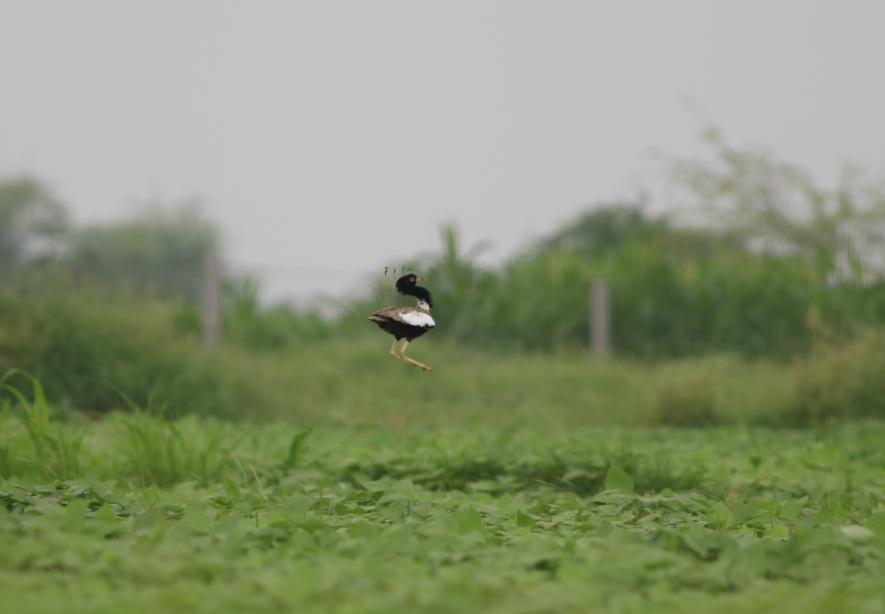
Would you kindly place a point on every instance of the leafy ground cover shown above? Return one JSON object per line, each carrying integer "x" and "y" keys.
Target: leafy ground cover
{"x": 138, "y": 514}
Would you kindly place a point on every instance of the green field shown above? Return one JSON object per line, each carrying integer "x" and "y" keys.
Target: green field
{"x": 490, "y": 505}
{"x": 193, "y": 421}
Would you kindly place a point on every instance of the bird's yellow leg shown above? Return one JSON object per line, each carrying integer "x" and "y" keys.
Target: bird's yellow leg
{"x": 393, "y": 348}
{"x": 402, "y": 354}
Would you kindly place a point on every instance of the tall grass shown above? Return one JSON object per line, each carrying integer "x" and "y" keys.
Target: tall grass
{"x": 148, "y": 448}
{"x": 54, "y": 451}
{"x": 155, "y": 451}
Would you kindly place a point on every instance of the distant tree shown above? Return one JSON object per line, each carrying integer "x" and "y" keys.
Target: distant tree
{"x": 33, "y": 223}
{"x": 775, "y": 206}
{"x": 605, "y": 228}
{"x": 159, "y": 250}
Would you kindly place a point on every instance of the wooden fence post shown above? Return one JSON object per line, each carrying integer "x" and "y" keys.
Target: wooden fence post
{"x": 600, "y": 318}
{"x": 211, "y": 300}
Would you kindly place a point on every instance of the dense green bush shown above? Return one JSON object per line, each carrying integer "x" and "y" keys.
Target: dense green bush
{"x": 92, "y": 349}
{"x": 687, "y": 402}
{"x": 842, "y": 381}
{"x": 674, "y": 293}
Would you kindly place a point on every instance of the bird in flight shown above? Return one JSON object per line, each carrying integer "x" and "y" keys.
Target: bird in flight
{"x": 407, "y": 323}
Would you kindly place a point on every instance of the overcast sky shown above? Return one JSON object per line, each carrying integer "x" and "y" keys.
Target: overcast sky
{"x": 330, "y": 138}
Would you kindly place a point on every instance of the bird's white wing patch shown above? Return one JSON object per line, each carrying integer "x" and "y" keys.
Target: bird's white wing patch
{"x": 418, "y": 318}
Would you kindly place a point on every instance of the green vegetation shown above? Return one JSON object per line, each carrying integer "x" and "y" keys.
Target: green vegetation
{"x": 842, "y": 382}
{"x": 158, "y": 252}
{"x": 31, "y": 223}
{"x": 88, "y": 347}
{"x": 205, "y": 516}
{"x": 102, "y": 353}
{"x": 728, "y": 457}
{"x": 754, "y": 258}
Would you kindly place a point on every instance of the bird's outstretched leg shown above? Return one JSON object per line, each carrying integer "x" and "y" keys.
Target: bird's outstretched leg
{"x": 393, "y": 348}
{"x": 402, "y": 354}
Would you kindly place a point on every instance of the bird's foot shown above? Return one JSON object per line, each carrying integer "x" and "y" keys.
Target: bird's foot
{"x": 415, "y": 363}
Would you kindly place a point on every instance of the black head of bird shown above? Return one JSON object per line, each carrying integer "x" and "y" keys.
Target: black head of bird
{"x": 407, "y": 323}
{"x": 405, "y": 283}
{"x": 408, "y": 284}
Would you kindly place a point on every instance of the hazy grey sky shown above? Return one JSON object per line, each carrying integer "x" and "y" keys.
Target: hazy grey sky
{"x": 331, "y": 137}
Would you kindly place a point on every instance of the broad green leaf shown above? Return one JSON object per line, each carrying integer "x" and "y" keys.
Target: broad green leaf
{"x": 779, "y": 531}
{"x": 618, "y": 479}
{"x": 296, "y": 505}
{"x": 464, "y": 521}
{"x": 524, "y": 520}
{"x": 722, "y": 515}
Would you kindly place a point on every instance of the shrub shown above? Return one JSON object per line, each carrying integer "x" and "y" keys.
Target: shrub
{"x": 87, "y": 346}
{"x": 687, "y": 400}
{"x": 250, "y": 324}
{"x": 846, "y": 381}
{"x": 674, "y": 294}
